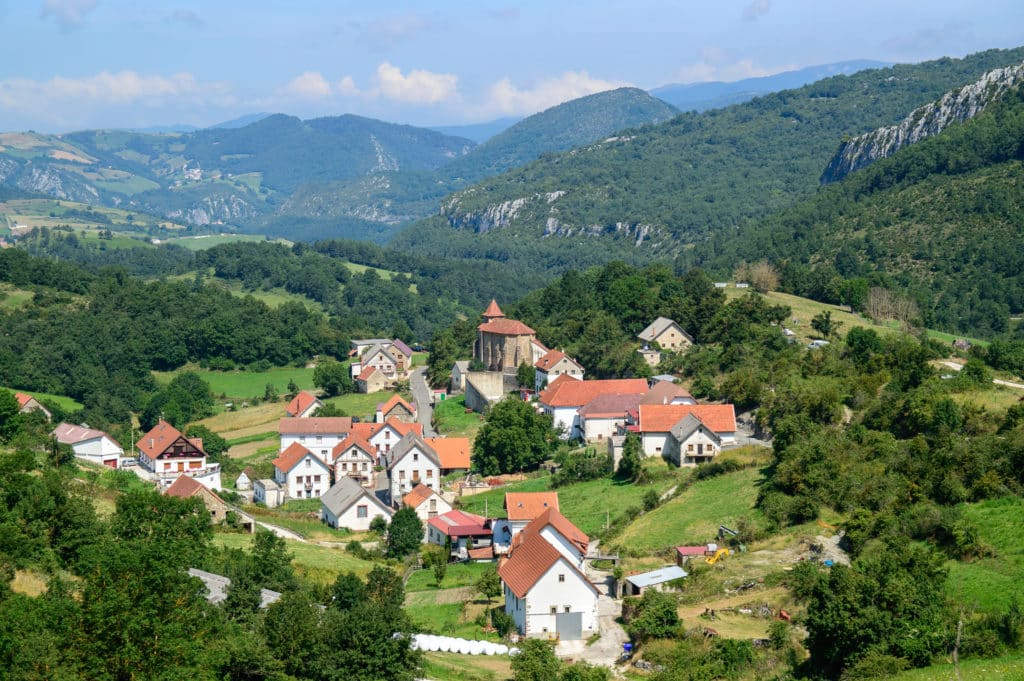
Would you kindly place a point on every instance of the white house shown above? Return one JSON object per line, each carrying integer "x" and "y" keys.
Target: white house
{"x": 303, "y": 405}
{"x": 89, "y": 444}
{"x": 27, "y": 404}
{"x": 426, "y": 502}
{"x": 546, "y": 594}
{"x": 667, "y": 334}
{"x": 565, "y": 396}
{"x": 246, "y": 479}
{"x": 522, "y": 507}
{"x": 603, "y": 416}
{"x": 354, "y": 457}
{"x": 459, "y": 371}
{"x": 268, "y": 493}
{"x": 382, "y": 360}
{"x": 654, "y": 422}
{"x": 385, "y": 436}
{"x": 164, "y": 454}
{"x": 558, "y": 531}
{"x": 302, "y": 474}
{"x": 318, "y": 434}
{"x": 554, "y": 364}
{"x": 348, "y": 504}
{"x": 410, "y": 463}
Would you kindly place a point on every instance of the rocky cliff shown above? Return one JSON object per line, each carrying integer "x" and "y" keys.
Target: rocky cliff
{"x": 925, "y": 121}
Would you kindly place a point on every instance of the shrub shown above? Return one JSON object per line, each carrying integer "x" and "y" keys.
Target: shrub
{"x": 503, "y": 622}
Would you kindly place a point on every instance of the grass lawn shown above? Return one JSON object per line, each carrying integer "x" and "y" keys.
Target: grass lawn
{"x": 245, "y": 422}
{"x": 458, "y": 574}
{"x": 455, "y": 667}
{"x": 1005, "y": 668}
{"x": 201, "y": 243}
{"x": 65, "y": 403}
{"x": 990, "y": 583}
{"x": 246, "y": 384}
{"x": 448, "y": 612}
{"x": 997, "y": 398}
{"x": 316, "y": 563}
{"x": 301, "y": 516}
{"x": 693, "y": 517}
{"x": 451, "y": 419}
{"x": 363, "y": 405}
{"x": 12, "y": 298}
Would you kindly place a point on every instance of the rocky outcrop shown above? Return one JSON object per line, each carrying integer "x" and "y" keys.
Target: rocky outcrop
{"x": 496, "y": 215}
{"x": 925, "y": 121}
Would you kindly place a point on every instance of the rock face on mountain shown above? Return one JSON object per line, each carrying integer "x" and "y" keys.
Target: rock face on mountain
{"x": 924, "y": 121}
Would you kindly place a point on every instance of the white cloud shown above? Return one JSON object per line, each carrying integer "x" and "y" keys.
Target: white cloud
{"x": 67, "y": 13}
{"x": 311, "y": 85}
{"x": 717, "y": 64}
{"x": 756, "y": 9}
{"x": 347, "y": 87}
{"x": 120, "y": 87}
{"x": 418, "y": 87}
{"x": 505, "y": 97}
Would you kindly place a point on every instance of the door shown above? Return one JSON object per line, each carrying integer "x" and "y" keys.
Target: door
{"x": 569, "y": 626}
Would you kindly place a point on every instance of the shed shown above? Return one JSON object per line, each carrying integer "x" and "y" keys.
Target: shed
{"x": 637, "y": 584}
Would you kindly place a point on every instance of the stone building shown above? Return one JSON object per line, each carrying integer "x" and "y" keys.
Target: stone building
{"x": 502, "y": 344}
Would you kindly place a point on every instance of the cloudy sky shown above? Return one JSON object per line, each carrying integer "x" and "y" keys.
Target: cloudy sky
{"x": 73, "y": 64}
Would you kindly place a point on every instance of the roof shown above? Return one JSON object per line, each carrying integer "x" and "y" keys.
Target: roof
{"x": 462, "y": 365}
{"x": 366, "y": 373}
{"x": 688, "y": 426}
{"x": 301, "y": 402}
{"x": 70, "y": 434}
{"x": 566, "y": 391}
{"x": 267, "y": 484}
{"x": 394, "y": 402}
{"x": 563, "y": 525}
{"x": 250, "y": 473}
{"x": 160, "y": 437}
{"x": 456, "y": 523}
{"x": 610, "y": 406}
{"x": 408, "y": 442}
{"x": 417, "y": 495}
{"x": 23, "y": 398}
{"x": 531, "y": 560}
{"x": 493, "y": 310}
{"x": 657, "y": 327}
{"x": 347, "y": 491}
{"x": 402, "y": 347}
{"x": 295, "y": 453}
{"x": 665, "y": 574}
{"x": 453, "y": 452}
{"x": 658, "y": 418}
{"x": 315, "y": 425}
{"x": 217, "y": 588}
{"x": 691, "y": 550}
{"x": 368, "y": 430}
{"x": 506, "y": 327}
{"x": 482, "y": 553}
{"x": 664, "y": 392}
{"x": 185, "y": 487}
{"x": 354, "y": 439}
{"x": 550, "y": 360}
{"x": 529, "y": 505}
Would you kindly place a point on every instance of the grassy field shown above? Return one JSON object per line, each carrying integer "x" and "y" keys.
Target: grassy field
{"x": 693, "y": 517}
{"x": 317, "y": 563}
{"x": 995, "y": 398}
{"x": 457, "y": 574}
{"x": 245, "y": 384}
{"x": 65, "y": 403}
{"x": 201, "y": 243}
{"x": 12, "y": 298}
{"x": 360, "y": 404}
{"x": 1005, "y": 668}
{"x": 451, "y": 419}
{"x": 448, "y": 612}
{"x": 990, "y": 583}
{"x": 455, "y": 667}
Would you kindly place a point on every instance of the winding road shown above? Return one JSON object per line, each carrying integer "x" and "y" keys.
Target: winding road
{"x": 421, "y": 394}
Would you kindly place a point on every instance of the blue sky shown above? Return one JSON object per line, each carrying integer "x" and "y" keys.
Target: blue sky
{"x": 74, "y": 64}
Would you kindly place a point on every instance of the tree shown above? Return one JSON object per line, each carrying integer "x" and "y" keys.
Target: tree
{"x": 213, "y": 444}
{"x": 384, "y": 588}
{"x": 526, "y": 375}
{"x": 379, "y": 525}
{"x": 348, "y": 591}
{"x": 333, "y": 378}
{"x": 488, "y": 584}
{"x": 293, "y": 388}
{"x": 405, "y": 533}
{"x": 186, "y": 398}
{"x": 536, "y": 661}
{"x": 270, "y": 393}
{"x": 514, "y": 438}
{"x": 656, "y": 617}
{"x": 823, "y": 324}
{"x": 630, "y": 465}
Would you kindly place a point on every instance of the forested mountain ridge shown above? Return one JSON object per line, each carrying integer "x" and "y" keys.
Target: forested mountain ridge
{"x": 696, "y": 175}
{"x": 927, "y": 120}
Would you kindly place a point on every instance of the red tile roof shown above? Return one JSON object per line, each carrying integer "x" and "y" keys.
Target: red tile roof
{"x": 663, "y": 392}
{"x": 417, "y": 495}
{"x": 22, "y": 398}
{"x": 506, "y": 327}
{"x": 691, "y": 550}
{"x": 562, "y": 525}
{"x": 368, "y": 430}
{"x": 658, "y": 418}
{"x": 185, "y": 487}
{"x": 287, "y": 459}
{"x": 456, "y": 523}
{"x": 610, "y": 406}
{"x": 482, "y": 553}
{"x": 354, "y": 440}
{"x": 392, "y": 403}
{"x": 70, "y": 434}
{"x": 549, "y": 360}
{"x": 493, "y": 310}
{"x": 566, "y": 391}
{"x": 315, "y": 425}
{"x": 366, "y": 373}
{"x": 454, "y": 452}
{"x": 300, "y": 403}
{"x": 531, "y": 561}
{"x": 160, "y": 437}
{"x": 529, "y": 505}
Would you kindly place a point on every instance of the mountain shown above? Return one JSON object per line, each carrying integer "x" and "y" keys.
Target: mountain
{"x": 717, "y": 94}
{"x": 242, "y": 121}
{"x": 659, "y": 191}
{"x": 925, "y": 121}
{"x": 478, "y": 132}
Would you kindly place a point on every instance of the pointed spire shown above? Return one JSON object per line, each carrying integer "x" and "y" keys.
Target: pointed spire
{"x": 493, "y": 311}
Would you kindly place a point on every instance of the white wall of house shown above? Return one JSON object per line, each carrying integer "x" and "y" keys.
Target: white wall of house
{"x": 501, "y": 533}
{"x": 359, "y": 515}
{"x": 354, "y": 463}
{"x": 98, "y": 450}
{"x": 271, "y": 498}
{"x": 432, "y": 507}
{"x": 654, "y": 443}
{"x": 544, "y": 378}
{"x": 701, "y": 444}
{"x": 561, "y": 588}
{"x": 309, "y": 478}
{"x": 321, "y": 445}
{"x": 565, "y": 547}
{"x": 595, "y": 429}
{"x": 413, "y": 468}
{"x": 384, "y": 439}
{"x": 567, "y": 419}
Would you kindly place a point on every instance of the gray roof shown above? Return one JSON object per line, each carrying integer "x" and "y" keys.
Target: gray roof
{"x": 217, "y": 588}
{"x": 665, "y": 574}
{"x": 347, "y": 491}
{"x": 657, "y": 327}
{"x": 407, "y": 443}
{"x": 267, "y": 483}
{"x": 463, "y": 365}
{"x": 377, "y": 349}
{"x": 688, "y": 425}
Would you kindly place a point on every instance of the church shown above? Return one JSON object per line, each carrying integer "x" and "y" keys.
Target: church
{"x": 503, "y": 344}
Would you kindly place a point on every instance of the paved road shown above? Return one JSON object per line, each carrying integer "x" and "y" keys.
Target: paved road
{"x": 421, "y": 393}
{"x": 998, "y": 381}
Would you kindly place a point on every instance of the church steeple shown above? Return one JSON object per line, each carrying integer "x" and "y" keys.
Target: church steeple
{"x": 493, "y": 311}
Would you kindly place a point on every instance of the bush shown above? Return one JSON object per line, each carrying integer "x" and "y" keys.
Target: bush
{"x": 503, "y": 622}
{"x": 651, "y": 500}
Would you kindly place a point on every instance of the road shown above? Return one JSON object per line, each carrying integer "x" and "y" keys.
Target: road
{"x": 998, "y": 381}
{"x": 421, "y": 394}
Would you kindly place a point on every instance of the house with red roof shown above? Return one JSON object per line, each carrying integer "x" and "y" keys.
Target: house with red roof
{"x": 558, "y": 531}
{"x": 605, "y": 415}
{"x": 655, "y": 423}
{"x": 354, "y": 457}
{"x": 453, "y": 452}
{"x": 667, "y": 392}
{"x": 303, "y": 405}
{"x": 553, "y": 364}
{"x": 412, "y": 462}
{"x": 565, "y": 396}
{"x": 185, "y": 487}
{"x": 396, "y": 408}
{"x": 502, "y": 343}
{"x": 28, "y": 404}
{"x": 90, "y": 444}
{"x": 301, "y": 473}
{"x": 164, "y": 454}
{"x": 461, "y": 528}
{"x": 546, "y": 594}
{"x": 372, "y": 380}
{"x": 427, "y": 503}
{"x": 318, "y": 434}
{"x": 385, "y": 436}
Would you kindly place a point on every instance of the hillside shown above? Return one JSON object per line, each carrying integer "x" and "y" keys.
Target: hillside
{"x": 671, "y": 185}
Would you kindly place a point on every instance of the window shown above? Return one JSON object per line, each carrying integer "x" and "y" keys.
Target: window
{"x": 319, "y": 439}
{"x": 316, "y": 478}
{"x": 401, "y": 475}
{"x": 567, "y": 608}
{"x": 415, "y": 456}
{"x": 309, "y": 462}
{"x": 302, "y": 438}
{"x": 554, "y": 611}
{"x": 430, "y": 472}
{"x": 561, "y": 577}
{"x": 689, "y": 447}
{"x": 362, "y": 511}
{"x": 344, "y": 466}
{"x": 323, "y": 453}
{"x": 364, "y": 465}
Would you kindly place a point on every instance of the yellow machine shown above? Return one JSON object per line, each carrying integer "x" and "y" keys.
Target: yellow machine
{"x": 718, "y": 554}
